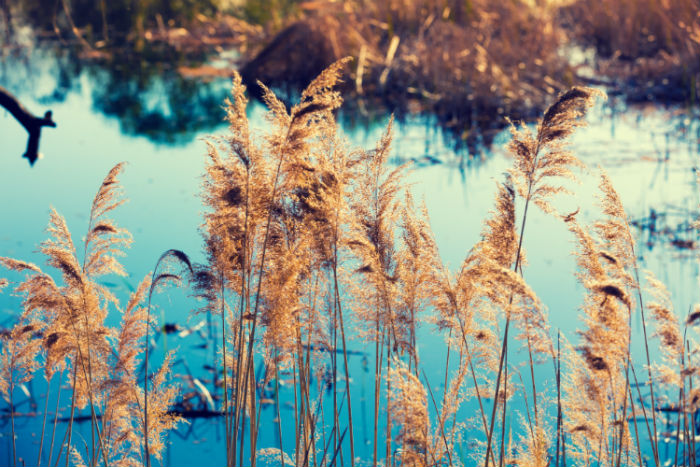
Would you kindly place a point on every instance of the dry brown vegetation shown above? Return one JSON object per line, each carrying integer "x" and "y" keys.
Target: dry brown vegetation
{"x": 652, "y": 48}
{"x": 471, "y": 63}
{"x": 306, "y": 240}
{"x": 500, "y": 55}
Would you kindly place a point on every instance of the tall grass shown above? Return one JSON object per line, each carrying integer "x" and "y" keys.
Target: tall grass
{"x": 312, "y": 247}
{"x": 651, "y": 47}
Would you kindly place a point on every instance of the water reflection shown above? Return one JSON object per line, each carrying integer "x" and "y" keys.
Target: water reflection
{"x": 149, "y": 95}
{"x": 148, "y": 99}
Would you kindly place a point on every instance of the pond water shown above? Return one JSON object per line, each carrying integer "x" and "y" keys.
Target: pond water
{"x": 155, "y": 120}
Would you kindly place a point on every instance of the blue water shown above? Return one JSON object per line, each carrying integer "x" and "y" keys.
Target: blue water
{"x": 651, "y": 154}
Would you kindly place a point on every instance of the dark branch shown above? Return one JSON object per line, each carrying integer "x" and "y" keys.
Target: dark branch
{"x": 28, "y": 120}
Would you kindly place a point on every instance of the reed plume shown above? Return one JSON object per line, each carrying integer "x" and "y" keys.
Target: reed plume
{"x": 596, "y": 416}
{"x": 123, "y": 411}
{"x": 373, "y": 242}
{"x": 408, "y": 406}
{"x": 415, "y": 262}
{"x": 74, "y": 334}
{"x": 18, "y": 362}
{"x": 269, "y": 207}
{"x": 539, "y": 158}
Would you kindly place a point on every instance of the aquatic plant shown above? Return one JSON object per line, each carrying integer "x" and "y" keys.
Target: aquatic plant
{"x": 306, "y": 240}
{"x": 63, "y": 327}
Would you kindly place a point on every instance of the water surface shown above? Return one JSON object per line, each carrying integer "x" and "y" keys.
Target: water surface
{"x": 155, "y": 121}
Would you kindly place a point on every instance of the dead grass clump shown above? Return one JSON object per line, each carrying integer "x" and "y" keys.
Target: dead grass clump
{"x": 472, "y": 63}
{"x": 653, "y": 47}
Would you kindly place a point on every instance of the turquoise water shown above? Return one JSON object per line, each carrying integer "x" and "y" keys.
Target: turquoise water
{"x": 155, "y": 121}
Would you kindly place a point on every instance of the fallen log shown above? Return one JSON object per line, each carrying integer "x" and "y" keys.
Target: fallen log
{"x": 29, "y": 121}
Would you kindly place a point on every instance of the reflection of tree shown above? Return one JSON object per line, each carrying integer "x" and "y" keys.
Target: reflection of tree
{"x": 152, "y": 101}
{"x": 149, "y": 98}
{"x": 146, "y": 95}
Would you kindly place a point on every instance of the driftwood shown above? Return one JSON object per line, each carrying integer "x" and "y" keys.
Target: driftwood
{"x": 29, "y": 121}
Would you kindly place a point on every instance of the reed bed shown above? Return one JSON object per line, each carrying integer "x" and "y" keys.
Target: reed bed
{"x": 462, "y": 61}
{"x": 313, "y": 248}
{"x": 473, "y": 63}
{"x": 651, "y": 49}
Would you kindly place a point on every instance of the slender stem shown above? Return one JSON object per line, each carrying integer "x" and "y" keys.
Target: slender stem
{"x": 503, "y": 413}
{"x": 678, "y": 430}
{"x": 693, "y": 460}
{"x": 505, "y": 334}
{"x": 72, "y": 413}
{"x": 655, "y": 444}
{"x": 636, "y": 429}
{"x": 495, "y": 398}
{"x": 345, "y": 354}
{"x": 532, "y": 379}
{"x": 447, "y": 365}
{"x": 147, "y": 345}
{"x": 223, "y": 347}
{"x": 378, "y": 352}
{"x": 442, "y": 421}
{"x": 641, "y": 402}
{"x": 334, "y": 371}
{"x": 12, "y": 416}
{"x": 297, "y": 417}
{"x": 559, "y": 411}
{"x": 55, "y": 422}
{"x": 527, "y": 407}
{"x": 478, "y": 392}
{"x": 277, "y": 406}
{"x": 43, "y": 423}
{"x": 388, "y": 462}
{"x": 60, "y": 449}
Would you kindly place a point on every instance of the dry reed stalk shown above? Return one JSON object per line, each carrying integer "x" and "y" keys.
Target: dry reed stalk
{"x": 604, "y": 268}
{"x": 604, "y": 353}
{"x": 373, "y": 242}
{"x": 74, "y": 331}
{"x": 18, "y": 363}
{"x": 288, "y": 147}
{"x": 159, "y": 278}
{"x": 622, "y": 248}
{"x": 538, "y": 159}
{"x": 272, "y": 236}
{"x": 55, "y": 422}
{"x": 409, "y": 410}
{"x": 43, "y": 422}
